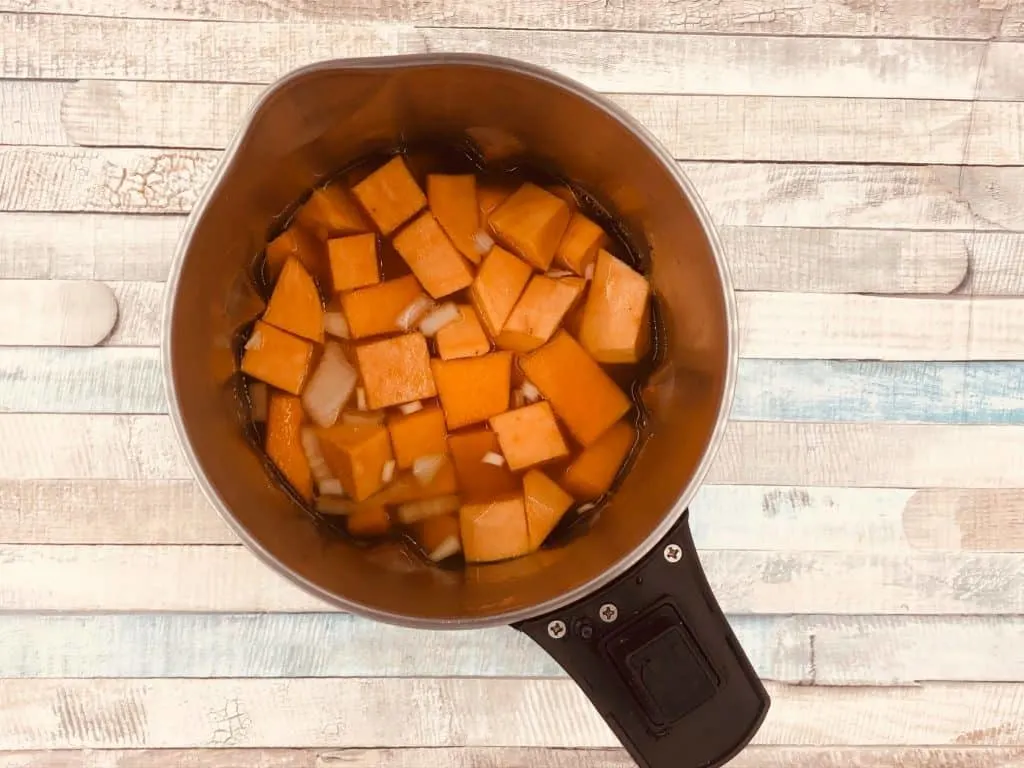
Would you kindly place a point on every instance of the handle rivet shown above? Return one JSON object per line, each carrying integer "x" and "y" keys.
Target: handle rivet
{"x": 673, "y": 553}
{"x": 556, "y": 629}
{"x": 608, "y": 613}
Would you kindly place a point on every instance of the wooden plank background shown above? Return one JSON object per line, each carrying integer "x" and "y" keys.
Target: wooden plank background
{"x": 863, "y": 524}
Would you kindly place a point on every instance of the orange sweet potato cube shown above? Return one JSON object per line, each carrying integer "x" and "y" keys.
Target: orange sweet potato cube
{"x": 330, "y": 212}
{"x": 477, "y": 479}
{"x": 295, "y": 304}
{"x": 583, "y": 396}
{"x": 405, "y": 487}
{"x": 539, "y": 311}
{"x": 529, "y": 435}
{"x": 453, "y": 201}
{"x": 531, "y": 222}
{"x": 295, "y": 242}
{"x": 368, "y": 522}
{"x": 579, "y": 245}
{"x": 375, "y": 310}
{"x": 353, "y": 261}
{"x": 592, "y": 472}
{"x": 562, "y": 192}
{"x": 356, "y": 455}
{"x": 490, "y": 196}
{"x": 439, "y": 537}
{"x": 463, "y": 338}
{"x": 473, "y": 389}
{"x": 418, "y": 434}
{"x": 395, "y": 370}
{"x": 278, "y": 358}
{"x": 283, "y": 443}
{"x": 545, "y": 502}
{"x": 615, "y": 326}
{"x": 494, "y": 530}
{"x": 390, "y": 195}
{"x": 425, "y": 247}
{"x": 497, "y": 286}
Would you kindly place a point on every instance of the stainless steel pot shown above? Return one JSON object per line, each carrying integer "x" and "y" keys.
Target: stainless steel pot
{"x": 660, "y": 664}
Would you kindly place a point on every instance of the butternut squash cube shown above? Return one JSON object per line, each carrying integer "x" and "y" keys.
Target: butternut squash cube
{"x": 356, "y": 455}
{"x": 531, "y": 222}
{"x": 592, "y": 472}
{"x": 439, "y": 537}
{"x": 375, "y": 310}
{"x": 283, "y": 443}
{"x": 494, "y": 530}
{"x": 463, "y": 338}
{"x": 490, "y": 196}
{"x": 278, "y": 358}
{"x": 368, "y": 522}
{"x": 396, "y": 370}
{"x": 330, "y": 212}
{"x": 295, "y": 242}
{"x": 473, "y": 389}
{"x": 529, "y": 436}
{"x": 453, "y": 201}
{"x": 539, "y": 312}
{"x": 295, "y": 305}
{"x": 497, "y": 286}
{"x": 562, "y": 192}
{"x": 615, "y": 322}
{"x": 546, "y": 503}
{"x": 425, "y": 247}
{"x": 390, "y": 195}
{"x": 583, "y": 396}
{"x": 579, "y": 245}
{"x": 405, "y": 487}
{"x": 353, "y": 261}
{"x": 418, "y": 434}
{"x": 477, "y": 479}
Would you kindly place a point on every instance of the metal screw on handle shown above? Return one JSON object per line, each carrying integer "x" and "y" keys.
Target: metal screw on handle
{"x": 608, "y": 613}
{"x": 556, "y": 629}
{"x": 673, "y": 553}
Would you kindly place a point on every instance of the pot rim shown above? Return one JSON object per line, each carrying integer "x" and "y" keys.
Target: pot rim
{"x": 652, "y": 144}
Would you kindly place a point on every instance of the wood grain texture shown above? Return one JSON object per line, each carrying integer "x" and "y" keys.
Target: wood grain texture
{"x": 896, "y": 18}
{"x": 229, "y": 579}
{"x": 70, "y": 47}
{"x": 847, "y": 650}
{"x": 512, "y": 757}
{"x": 30, "y": 112}
{"x": 693, "y": 127}
{"x": 465, "y": 712}
{"x": 56, "y": 313}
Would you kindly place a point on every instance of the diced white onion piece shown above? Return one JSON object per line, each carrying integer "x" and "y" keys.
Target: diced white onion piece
{"x": 483, "y": 242}
{"x": 334, "y": 505}
{"x": 362, "y": 418}
{"x": 447, "y": 548}
{"x": 414, "y": 511}
{"x": 331, "y": 487}
{"x": 255, "y": 341}
{"x": 329, "y": 387}
{"x": 258, "y": 400}
{"x": 494, "y": 459}
{"x": 586, "y": 507}
{"x": 336, "y": 325}
{"x": 444, "y": 315}
{"x": 518, "y": 401}
{"x": 361, "y": 399}
{"x": 315, "y": 457}
{"x": 588, "y": 273}
{"x": 411, "y": 315}
{"x": 407, "y": 408}
{"x": 387, "y": 474}
{"x": 425, "y": 468}
{"x": 555, "y": 274}
{"x": 530, "y": 392}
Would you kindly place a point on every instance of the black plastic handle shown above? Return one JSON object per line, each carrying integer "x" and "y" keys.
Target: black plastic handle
{"x": 655, "y": 655}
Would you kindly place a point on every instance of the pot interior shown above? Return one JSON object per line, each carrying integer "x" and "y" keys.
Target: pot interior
{"x": 323, "y": 118}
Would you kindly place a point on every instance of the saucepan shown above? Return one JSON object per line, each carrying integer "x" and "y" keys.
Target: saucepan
{"x": 624, "y": 608}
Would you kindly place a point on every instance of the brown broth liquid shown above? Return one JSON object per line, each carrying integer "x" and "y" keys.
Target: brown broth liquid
{"x": 424, "y": 159}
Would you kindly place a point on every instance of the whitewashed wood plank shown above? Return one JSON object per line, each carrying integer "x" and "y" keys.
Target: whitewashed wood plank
{"x": 230, "y": 579}
{"x": 996, "y": 264}
{"x": 73, "y": 446}
{"x": 56, "y": 313}
{"x": 206, "y": 115}
{"x": 30, "y": 112}
{"x": 141, "y": 306}
{"x": 54, "y": 46}
{"x": 512, "y": 757}
{"x": 465, "y": 712}
{"x": 896, "y": 18}
{"x": 811, "y": 326}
